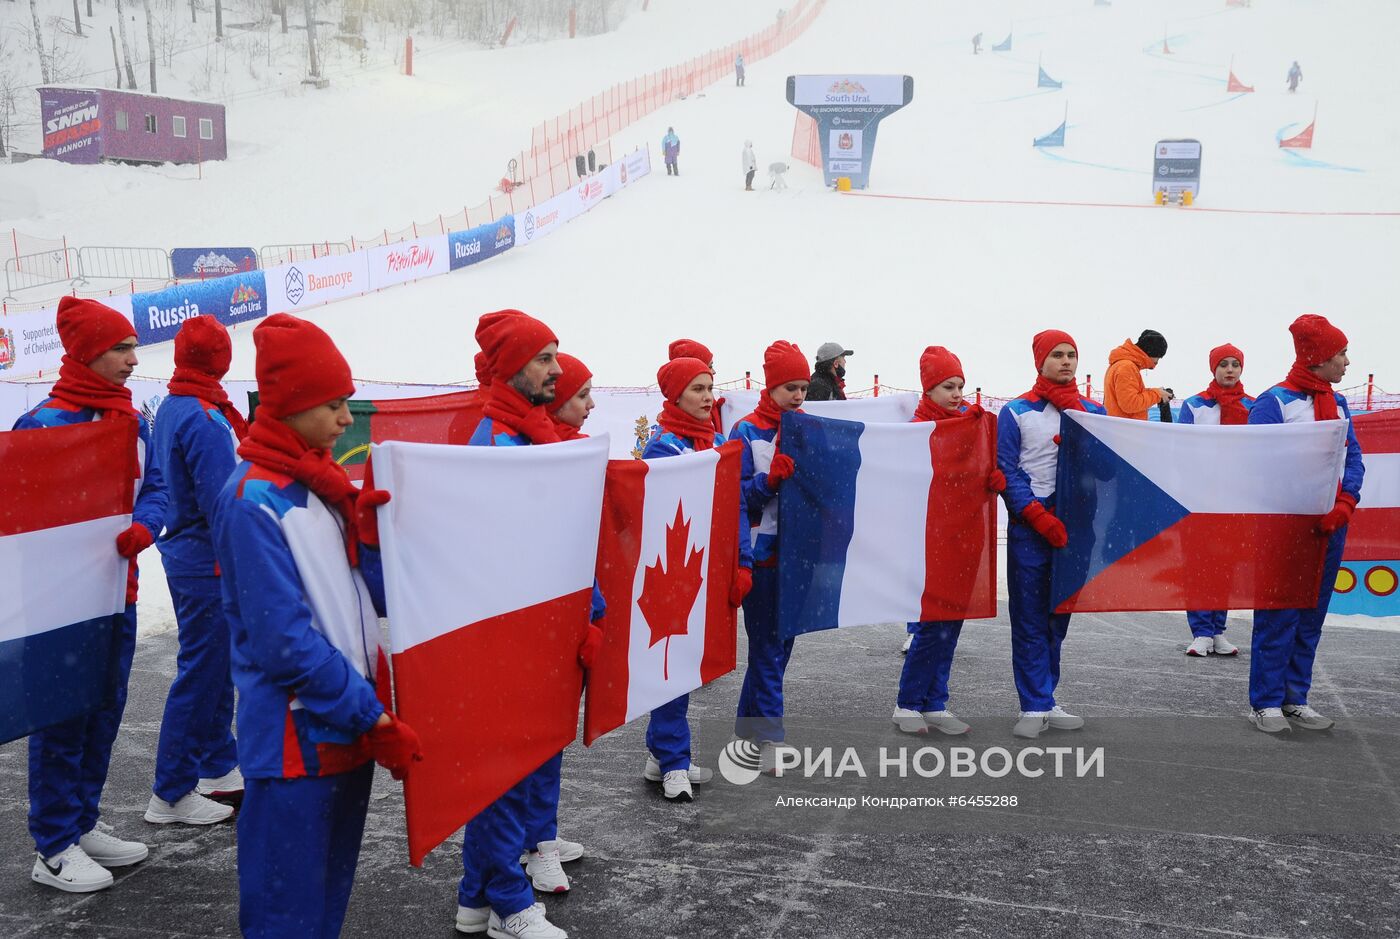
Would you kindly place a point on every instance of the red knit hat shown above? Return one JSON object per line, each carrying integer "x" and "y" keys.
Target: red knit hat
{"x": 1315, "y": 340}
{"x": 575, "y": 376}
{"x": 510, "y": 340}
{"x": 298, "y": 366}
{"x": 689, "y": 349}
{"x": 88, "y": 328}
{"x": 1045, "y": 342}
{"x": 1224, "y": 352}
{"x": 937, "y": 365}
{"x": 676, "y": 375}
{"x": 203, "y": 345}
{"x": 483, "y": 369}
{"x": 784, "y": 362}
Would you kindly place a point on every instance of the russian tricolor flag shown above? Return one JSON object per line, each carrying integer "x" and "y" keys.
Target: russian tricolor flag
{"x": 65, "y": 495}
{"x": 488, "y": 566}
{"x": 886, "y": 523}
{"x": 1185, "y": 517}
{"x": 667, "y": 553}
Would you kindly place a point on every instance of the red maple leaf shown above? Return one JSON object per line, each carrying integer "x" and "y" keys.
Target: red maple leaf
{"x": 668, "y": 594}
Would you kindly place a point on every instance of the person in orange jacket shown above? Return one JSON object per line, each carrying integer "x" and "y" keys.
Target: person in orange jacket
{"x": 1124, "y": 394}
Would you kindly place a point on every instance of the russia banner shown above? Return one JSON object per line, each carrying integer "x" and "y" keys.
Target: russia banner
{"x": 65, "y": 495}
{"x": 1369, "y": 580}
{"x": 886, "y": 523}
{"x": 1185, "y": 517}
{"x": 488, "y": 568}
{"x": 667, "y": 553}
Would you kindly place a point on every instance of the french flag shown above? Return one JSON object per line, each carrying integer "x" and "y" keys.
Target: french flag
{"x": 488, "y": 566}
{"x": 885, "y": 523}
{"x": 65, "y": 495}
{"x": 667, "y": 553}
{"x": 1182, "y": 517}
{"x": 1369, "y": 582}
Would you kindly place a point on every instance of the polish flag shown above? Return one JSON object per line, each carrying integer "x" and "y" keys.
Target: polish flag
{"x": 667, "y": 553}
{"x": 488, "y": 563}
{"x": 64, "y": 498}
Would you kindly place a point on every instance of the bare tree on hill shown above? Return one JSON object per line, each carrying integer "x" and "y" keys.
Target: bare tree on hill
{"x": 126, "y": 47}
{"x": 39, "y": 42}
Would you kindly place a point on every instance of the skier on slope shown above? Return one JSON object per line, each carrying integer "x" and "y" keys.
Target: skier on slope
{"x": 671, "y": 151}
{"x": 739, "y": 70}
{"x": 1295, "y": 75}
{"x": 977, "y": 44}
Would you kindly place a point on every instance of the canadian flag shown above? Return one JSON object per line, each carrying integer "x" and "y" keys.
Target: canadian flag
{"x": 488, "y": 559}
{"x": 667, "y": 554}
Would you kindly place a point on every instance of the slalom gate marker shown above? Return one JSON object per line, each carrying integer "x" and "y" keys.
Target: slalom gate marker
{"x": 1056, "y": 137}
{"x": 1302, "y": 140}
{"x": 1005, "y": 44}
{"x": 1233, "y": 85}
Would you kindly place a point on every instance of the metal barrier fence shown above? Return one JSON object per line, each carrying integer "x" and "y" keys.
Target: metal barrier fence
{"x": 124, "y": 263}
{"x": 55, "y": 266}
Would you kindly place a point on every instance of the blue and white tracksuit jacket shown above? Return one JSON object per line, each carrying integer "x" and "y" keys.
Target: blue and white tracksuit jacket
{"x": 1284, "y": 644}
{"x": 68, "y": 761}
{"x": 305, "y": 657}
{"x": 760, "y": 711}
{"x": 1028, "y": 454}
{"x": 1198, "y": 410}
{"x": 668, "y": 731}
{"x": 196, "y": 448}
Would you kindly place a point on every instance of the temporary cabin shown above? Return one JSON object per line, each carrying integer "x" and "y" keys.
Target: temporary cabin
{"x": 87, "y": 125}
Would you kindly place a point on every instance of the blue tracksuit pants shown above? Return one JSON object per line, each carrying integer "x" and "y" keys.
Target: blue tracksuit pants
{"x": 923, "y": 685}
{"x": 1284, "y": 643}
{"x": 1036, "y": 632}
{"x": 668, "y": 734}
{"x": 540, "y": 815}
{"x": 491, "y": 843}
{"x": 298, "y": 845}
{"x": 760, "y": 716}
{"x": 1206, "y": 624}
{"x": 68, "y": 761}
{"x": 195, "y": 739}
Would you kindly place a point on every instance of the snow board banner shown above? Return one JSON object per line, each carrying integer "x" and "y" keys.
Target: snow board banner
{"x": 238, "y": 298}
{"x": 311, "y": 282}
{"x": 485, "y": 615}
{"x": 206, "y": 263}
{"x": 1149, "y": 530}
{"x": 886, "y": 409}
{"x": 407, "y": 260}
{"x": 65, "y": 495}
{"x": 1370, "y": 574}
{"x": 886, "y": 523}
{"x": 848, "y": 110}
{"x": 668, "y": 549}
{"x": 485, "y": 241}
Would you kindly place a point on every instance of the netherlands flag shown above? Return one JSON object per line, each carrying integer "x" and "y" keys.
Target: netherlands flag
{"x": 885, "y": 523}
{"x": 488, "y": 567}
{"x": 63, "y": 501}
{"x": 1178, "y": 517}
{"x": 667, "y": 553}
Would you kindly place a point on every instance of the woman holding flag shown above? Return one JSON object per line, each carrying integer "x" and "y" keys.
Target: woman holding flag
{"x": 1028, "y": 440}
{"x": 923, "y": 684}
{"x": 685, "y": 426}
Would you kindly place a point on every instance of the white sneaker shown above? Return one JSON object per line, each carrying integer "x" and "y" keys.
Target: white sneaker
{"x": 1270, "y": 720}
{"x": 544, "y": 870}
{"x": 529, "y": 923}
{"x": 908, "y": 641}
{"x": 946, "y": 722}
{"x": 675, "y": 785}
{"x": 110, "y": 851}
{"x": 71, "y": 870}
{"x": 190, "y": 809}
{"x": 472, "y": 918}
{"x": 568, "y": 851}
{"x": 768, "y": 756}
{"x": 1060, "y": 719}
{"x": 699, "y": 775}
{"x": 908, "y": 721}
{"x": 229, "y": 784}
{"x": 1306, "y": 718}
{"x": 1223, "y": 646}
{"x": 1201, "y": 647}
{"x": 1031, "y": 724}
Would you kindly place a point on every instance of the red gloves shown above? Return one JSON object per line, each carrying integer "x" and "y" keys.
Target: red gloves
{"x": 1340, "y": 514}
{"x": 366, "y": 518}
{"x": 781, "y": 468}
{"x": 395, "y": 746}
{"x": 739, "y": 589}
{"x": 1046, "y": 524}
{"x": 996, "y": 482}
{"x": 134, "y": 540}
{"x": 588, "y": 649}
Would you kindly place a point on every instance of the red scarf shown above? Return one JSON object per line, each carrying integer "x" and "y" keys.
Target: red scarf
{"x": 768, "y": 414}
{"x": 81, "y": 386}
{"x": 1302, "y": 380}
{"x": 928, "y": 411}
{"x": 673, "y": 420}
{"x": 510, "y": 409}
{"x": 196, "y": 384}
{"x": 1232, "y": 409}
{"x": 566, "y": 431}
{"x": 273, "y": 445}
{"x": 1065, "y": 397}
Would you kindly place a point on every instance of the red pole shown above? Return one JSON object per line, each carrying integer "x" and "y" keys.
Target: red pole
{"x": 573, "y": 20}
{"x": 67, "y": 270}
{"x": 408, "y": 56}
{"x": 747, "y": 383}
{"x": 877, "y": 385}
{"x": 1088, "y": 386}
{"x": 442, "y": 229}
{"x": 1370, "y": 387}
{"x": 978, "y": 399}
{"x": 14, "y": 238}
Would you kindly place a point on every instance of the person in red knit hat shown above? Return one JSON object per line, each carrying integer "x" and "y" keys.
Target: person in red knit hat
{"x": 1224, "y": 402}
{"x": 1284, "y": 644}
{"x": 573, "y": 398}
{"x": 303, "y": 590}
{"x": 760, "y": 711}
{"x": 1028, "y": 443}
{"x": 68, "y": 761}
{"x": 922, "y": 702}
{"x": 692, "y": 349}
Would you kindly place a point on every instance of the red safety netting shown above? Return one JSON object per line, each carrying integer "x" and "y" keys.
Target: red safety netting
{"x": 806, "y": 144}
